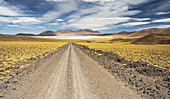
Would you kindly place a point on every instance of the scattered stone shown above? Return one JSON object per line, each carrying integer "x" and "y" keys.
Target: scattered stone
{"x": 126, "y": 84}
{"x": 1, "y": 94}
{"x": 140, "y": 80}
{"x": 151, "y": 82}
{"x": 157, "y": 87}
{"x": 167, "y": 79}
{"x": 14, "y": 89}
{"x": 2, "y": 86}
{"x": 144, "y": 91}
{"x": 6, "y": 82}
{"x": 15, "y": 81}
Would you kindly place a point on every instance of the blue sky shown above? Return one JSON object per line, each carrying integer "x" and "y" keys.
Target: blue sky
{"x": 108, "y": 16}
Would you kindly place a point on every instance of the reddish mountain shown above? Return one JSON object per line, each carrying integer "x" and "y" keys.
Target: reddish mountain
{"x": 64, "y": 31}
{"x": 69, "y": 32}
{"x": 87, "y": 30}
{"x": 47, "y": 33}
{"x": 78, "y": 31}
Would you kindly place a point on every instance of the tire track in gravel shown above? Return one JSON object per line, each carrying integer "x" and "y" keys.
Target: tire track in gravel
{"x": 58, "y": 86}
{"x": 68, "y": 80}
{"x": 80, "y": 83}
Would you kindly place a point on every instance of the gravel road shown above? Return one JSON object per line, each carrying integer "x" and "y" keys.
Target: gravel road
{"x": 69, "y": 74}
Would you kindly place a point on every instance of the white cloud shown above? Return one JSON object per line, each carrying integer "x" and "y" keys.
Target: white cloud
{"x": 97, "y": 22}
{"x": 159, "y": 26}
{"x": 102, "y": 28}
{"x": 98, "y": 0}
{"x": 93, "y": 10}
{"x": 40, "y": 27}
{"x": 26, "y": 20}
{"x": 72, "y": 20}
{"x": 20, "y": 26}
{"x": 134, "y": 23}
{"x": 119, "y": 1}
{"x": 8, "y": 12}
{"x": 26, "y": 27}
{"x": 141, "y": 19}
{"x": 62, "y": 8}
{"x": 104, "y": 16}
{"x": 163, "y": 26}
{"x": 162, "y": 20}
{"x": 5, "y": 19}
{"x": 58, "y": 20}
{"x": 162, "y": 13}
{"x": 52, "y": 24}
{"x": 13, "y": 25}
{"x": 114, "y": 9}
{"x": 56, "y": 0}
{"x": 1, "y": 1}
{"x": 128, "y": 13}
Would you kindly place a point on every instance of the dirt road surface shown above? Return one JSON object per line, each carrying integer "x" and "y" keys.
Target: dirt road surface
{"x": 70, "y": 74}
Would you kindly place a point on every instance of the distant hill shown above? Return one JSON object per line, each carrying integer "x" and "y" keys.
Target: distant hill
{"x": 142, "y": 32}
{"x": 87, "y": 30}
{"x": 78, "y": 31}
{"x": 63, "y": 32}
{"x": 154, "y": 38}
{"x": 147, "y": 31}
{"x": 124, "y": 33}
{"x": 147, "y": 36}
{"x": 26, "y": 34}
{"x": 122, "y": 40}
{"x": 47, "y": 33}
{"x": 97, "y": 33}
{"x": 69, "y": 32}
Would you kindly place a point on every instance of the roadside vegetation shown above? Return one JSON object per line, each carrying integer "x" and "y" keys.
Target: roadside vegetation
{"x": 157, "y": 55}
{"x": 18, "y": 55}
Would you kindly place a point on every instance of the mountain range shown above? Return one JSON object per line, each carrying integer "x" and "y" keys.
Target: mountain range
{"x": 97, "y": 33}
{"x": 69, "y": 32}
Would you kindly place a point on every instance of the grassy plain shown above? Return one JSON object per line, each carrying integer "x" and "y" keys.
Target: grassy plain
{"x": 18, "y": 52}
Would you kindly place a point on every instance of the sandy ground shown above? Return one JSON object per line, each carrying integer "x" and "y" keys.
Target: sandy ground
{"x": 70, "y": 74}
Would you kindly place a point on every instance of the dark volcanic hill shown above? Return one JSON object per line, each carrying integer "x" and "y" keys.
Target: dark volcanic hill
{"x": 25, "y": 34}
